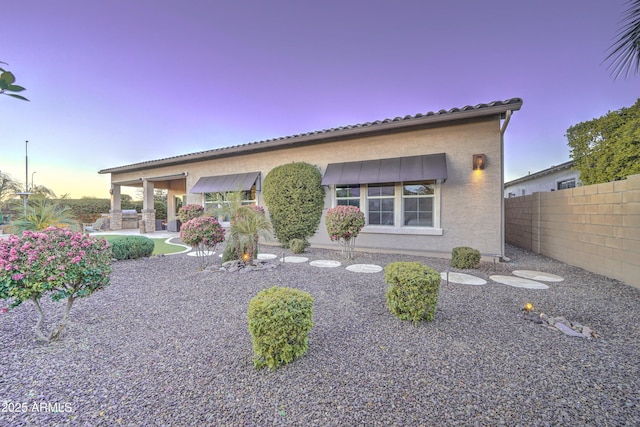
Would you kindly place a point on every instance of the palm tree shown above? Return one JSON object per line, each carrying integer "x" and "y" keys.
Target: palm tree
{"x": 247, "y": 227}
{"x": 247, "y": 224}
{"x": 624, "y": 56}
{"x": 8, "y": 188}
{"x": 42, "y": 214}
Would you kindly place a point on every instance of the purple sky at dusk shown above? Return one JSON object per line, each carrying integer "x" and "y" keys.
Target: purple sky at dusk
{"x": 119, "y": 82}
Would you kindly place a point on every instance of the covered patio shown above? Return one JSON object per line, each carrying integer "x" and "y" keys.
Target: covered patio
{"x": 176, "y": 186}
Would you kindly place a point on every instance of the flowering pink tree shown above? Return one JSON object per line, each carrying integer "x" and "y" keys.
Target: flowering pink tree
{"x": 203, "y": 233}
{"x": 189, "y": 212}
{"x": 56, "y": 261}
{"x": 344, "y": 224}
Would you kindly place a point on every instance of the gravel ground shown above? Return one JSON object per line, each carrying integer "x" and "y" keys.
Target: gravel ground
{"x": 168, "y": 345}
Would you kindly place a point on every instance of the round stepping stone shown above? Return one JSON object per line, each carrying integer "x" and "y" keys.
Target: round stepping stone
{"x": 364, "y": 268}
{"x": 325, "y": 263}
{"x": 267, "y": 256}
{"x": 463, "y": 279}
{"x": 518, "y": 282}
{"x": 294, "y": 259}
{"x": 537, "y": 275}
{"x": 206, "y": 253}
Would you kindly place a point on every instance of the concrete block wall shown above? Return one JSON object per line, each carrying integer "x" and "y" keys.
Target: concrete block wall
{"x": 595, "y": 227}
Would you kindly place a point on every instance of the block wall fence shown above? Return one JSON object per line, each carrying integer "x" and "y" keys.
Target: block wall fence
{"x": 595, "y": 227}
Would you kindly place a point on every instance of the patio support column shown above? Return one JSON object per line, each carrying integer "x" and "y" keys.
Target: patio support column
{"x": 148, "y": 208}
{"x": 115, "y": 213}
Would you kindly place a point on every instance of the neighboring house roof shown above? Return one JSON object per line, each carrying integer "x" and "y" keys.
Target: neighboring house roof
{"x": 369, "y": 128}
{"x": 552, "y": 169}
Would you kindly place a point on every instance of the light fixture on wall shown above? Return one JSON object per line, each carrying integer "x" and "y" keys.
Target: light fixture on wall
{"x": 479, "y": 160}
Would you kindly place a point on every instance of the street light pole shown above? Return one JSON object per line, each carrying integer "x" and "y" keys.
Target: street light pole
{"x": 26, "y": 178}
{"x": 26, "y": 166}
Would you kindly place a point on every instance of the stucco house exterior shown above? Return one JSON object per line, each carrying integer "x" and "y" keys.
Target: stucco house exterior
{"x": 427, "y": 183}
{"x": 554, "y": 178}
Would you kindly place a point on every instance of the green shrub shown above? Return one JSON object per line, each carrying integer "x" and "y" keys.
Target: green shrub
{"x": 280, "y": 320}
{"x": 295, "y": 198}
{"x": 131, "y": 247}
{"x": 189, "y": 212}
{"x": 298, "y": 246}
{"x": 89, "y": 210}
{"x": 413, "y": 294}
{"x": 230, "y": 252}
{"x": 465, "y": 257}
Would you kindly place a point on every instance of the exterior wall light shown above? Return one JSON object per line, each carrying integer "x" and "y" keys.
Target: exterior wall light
{"x": 479, "y": 160}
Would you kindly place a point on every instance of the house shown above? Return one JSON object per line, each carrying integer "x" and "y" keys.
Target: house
{"x": 554, "y": 178}
{"x": 427, "y": 183}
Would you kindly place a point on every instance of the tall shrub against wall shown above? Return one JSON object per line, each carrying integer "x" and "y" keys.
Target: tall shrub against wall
{"x": 295, "y": 198}
{"x": 88, "y": 210}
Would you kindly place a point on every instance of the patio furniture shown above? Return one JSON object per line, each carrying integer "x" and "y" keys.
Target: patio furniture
{"x": 96, "y": 226}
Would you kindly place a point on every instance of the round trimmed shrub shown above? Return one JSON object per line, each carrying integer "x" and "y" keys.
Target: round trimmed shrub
{"x": 298, "y": 246}
{"x": 203, "y": 233}
{"x": 295, "y": 199}
{"x": 131, "y": 247}
{"x": 280, "y": 320}
{"x": 413, "y": 294}
{"x": 465, "y": 257}
{"x": 189, "y": 212}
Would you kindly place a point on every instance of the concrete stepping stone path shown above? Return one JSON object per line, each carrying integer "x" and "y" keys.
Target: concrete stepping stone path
{"x": 267, "y": 256}
{"x": 463, "y": 279}
{"x": 294, "y": 259}
{"x": 538, "y": 275}
{"x": 325, "y": 263}
{"x": 519, "y": 282}
{"x": 364, "y": 268}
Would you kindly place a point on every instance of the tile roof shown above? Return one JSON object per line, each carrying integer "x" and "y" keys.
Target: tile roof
{"x": 420, "y": 119}
{"x": 566, "y": 165}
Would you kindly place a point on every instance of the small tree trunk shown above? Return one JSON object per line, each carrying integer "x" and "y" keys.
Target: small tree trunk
{"x": 38, "y": 327}
{"x": 55, "y": 334}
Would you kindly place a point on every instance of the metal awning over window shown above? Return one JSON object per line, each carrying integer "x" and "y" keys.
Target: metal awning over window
{"x": 224, "y": 183}
{"x": 399, "y": 169}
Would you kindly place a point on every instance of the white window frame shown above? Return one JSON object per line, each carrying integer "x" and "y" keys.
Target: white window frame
{"x": 398, "y": 228}
{"x": 380, "y": 198}
{"x": 253, "y": 201}
{"x": 337, "y": 199}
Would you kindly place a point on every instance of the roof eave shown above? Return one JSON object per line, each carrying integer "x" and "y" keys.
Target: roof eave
{"x": 320, "y": 136}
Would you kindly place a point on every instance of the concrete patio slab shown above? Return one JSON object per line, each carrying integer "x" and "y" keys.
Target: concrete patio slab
{"x": 518, "y": 282}
{"x": 463, "y": 279}
{"x": 537, "y": 275}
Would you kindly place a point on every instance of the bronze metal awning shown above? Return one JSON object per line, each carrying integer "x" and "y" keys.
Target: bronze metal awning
{"x": 224, "y": 183}
{"x": 398, "y": 169}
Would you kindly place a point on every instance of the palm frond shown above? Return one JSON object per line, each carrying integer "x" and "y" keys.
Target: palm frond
{"x": 624, "y": 54}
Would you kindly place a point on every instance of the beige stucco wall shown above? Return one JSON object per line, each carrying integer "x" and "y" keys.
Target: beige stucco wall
{"x": 596, "y": 227}
{"x": 470, "y": 201}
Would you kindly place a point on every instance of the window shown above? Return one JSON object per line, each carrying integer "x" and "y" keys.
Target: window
{"x": 417, "y": 203}
{"x": 567, "y": 183}
{"x": 380, "y": 204}
{"x": 401, "y": 207}
{"x": 213, "y": 201}
{"x": 348, "y": 195}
